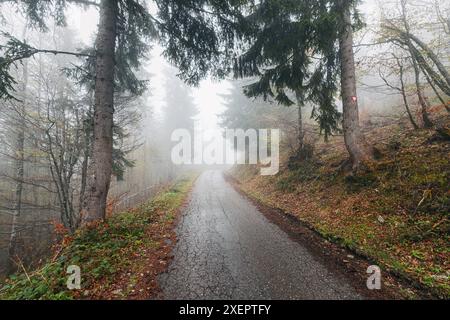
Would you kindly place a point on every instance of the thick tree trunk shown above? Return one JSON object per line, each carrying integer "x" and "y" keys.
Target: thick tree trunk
{"x": 360, "y": 153}
{"x": 101, "y": 164}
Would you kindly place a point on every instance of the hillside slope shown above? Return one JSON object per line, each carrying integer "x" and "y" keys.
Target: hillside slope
{"x": 397, "y": 214}
{"x": 119, "y": 259}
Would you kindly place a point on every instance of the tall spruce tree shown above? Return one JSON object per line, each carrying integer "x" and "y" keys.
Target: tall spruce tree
{"x": 283, "y": 54}
{"x": 179, "y": 111}
{"x": 195, "y": 35}
{"x": 305, "y": 47}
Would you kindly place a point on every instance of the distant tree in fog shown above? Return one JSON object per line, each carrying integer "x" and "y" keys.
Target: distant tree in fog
{"x": 179, "y": 109}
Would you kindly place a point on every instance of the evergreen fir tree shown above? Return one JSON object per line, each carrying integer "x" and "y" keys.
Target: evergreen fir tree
{"x": 306, "y": 47}
{"x": 289, "y": 61}
{"x": 194, "y": 34}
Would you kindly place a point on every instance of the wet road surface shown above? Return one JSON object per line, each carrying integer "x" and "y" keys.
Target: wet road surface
{"x": 227, "y": 249}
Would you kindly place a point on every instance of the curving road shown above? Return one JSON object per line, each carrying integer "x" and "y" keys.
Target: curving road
{"x": 227, "y": 249}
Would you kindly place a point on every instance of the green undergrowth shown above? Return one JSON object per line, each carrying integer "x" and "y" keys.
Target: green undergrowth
{"x": 102, "y": 252}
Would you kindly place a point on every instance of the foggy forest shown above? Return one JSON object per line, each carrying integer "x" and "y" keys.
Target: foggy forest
{"x": 224, "y": 150}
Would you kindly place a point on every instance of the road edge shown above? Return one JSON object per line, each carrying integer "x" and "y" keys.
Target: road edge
{"x": 333, "y": 255}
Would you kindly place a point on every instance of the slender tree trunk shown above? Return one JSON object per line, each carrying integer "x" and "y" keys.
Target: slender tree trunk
{"x": 441, "y": 99}
{"x": 405, "y": 98}
{"x": 357, "y": 147}
{"x": 18, "y": 167}
{"x": 427, "y": 69}
{"x": 19, "y": 175}
{"x": 422, "y": 101}
{"x": 412, "y": 38}
{"x": 101, "y": 164}
{"x": 442, "y": 69}
{"x": 84, "y": 165}
{"x": 301, "y": 132}
{"x": 87, "y": 153}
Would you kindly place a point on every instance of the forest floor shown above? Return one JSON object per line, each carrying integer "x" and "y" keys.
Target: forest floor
{"x": 119, "y": 259}
{"x": 396, "y": 214}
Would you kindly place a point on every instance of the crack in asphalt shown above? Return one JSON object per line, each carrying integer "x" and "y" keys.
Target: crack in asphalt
{"x": 227, "y": 249}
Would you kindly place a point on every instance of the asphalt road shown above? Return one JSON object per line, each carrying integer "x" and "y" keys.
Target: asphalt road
{"x": 227, "y": 249}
